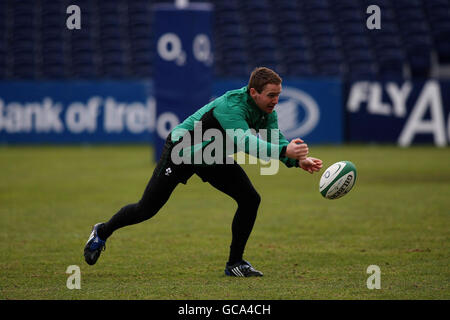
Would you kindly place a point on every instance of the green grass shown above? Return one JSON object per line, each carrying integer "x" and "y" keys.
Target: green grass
{"x": 397, "y": 217}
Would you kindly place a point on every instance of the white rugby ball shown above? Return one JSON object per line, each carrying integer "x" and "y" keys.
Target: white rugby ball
{"x": 337, "y": 180}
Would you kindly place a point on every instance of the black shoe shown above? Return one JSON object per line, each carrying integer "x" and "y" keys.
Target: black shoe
{"x": 242, "y": 269}
{"x": 94, "y": 246}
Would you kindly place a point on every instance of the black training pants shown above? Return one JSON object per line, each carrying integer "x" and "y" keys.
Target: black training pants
{"x": 228, "y": 178}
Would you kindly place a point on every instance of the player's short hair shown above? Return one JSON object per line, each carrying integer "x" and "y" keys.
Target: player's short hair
{"x": 261, "y": 76}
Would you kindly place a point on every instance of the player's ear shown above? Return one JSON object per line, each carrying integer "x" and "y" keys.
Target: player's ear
{"x": 253, "y": 92}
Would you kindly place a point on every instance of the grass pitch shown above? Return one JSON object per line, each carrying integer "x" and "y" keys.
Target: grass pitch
{"x": 396, "y": 217}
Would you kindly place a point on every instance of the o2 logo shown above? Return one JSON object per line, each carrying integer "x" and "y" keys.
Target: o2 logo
{"x": 170, "y": 48}
{"x": 201, "y": 47}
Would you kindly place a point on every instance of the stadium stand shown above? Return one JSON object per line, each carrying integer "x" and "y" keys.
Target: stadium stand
{"x": 296, "y": 37}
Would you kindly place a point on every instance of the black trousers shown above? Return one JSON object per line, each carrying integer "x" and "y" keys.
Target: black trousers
{"x": 228, "y": 178}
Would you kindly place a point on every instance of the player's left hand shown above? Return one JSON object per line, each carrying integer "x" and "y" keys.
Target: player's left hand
{"x": 311, "y": 164}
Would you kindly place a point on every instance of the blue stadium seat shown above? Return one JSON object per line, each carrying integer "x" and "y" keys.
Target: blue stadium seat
{"x": 352, "y": 29}
{"x": 52, "y": 46}
{"x": 349, "y": 15}
{"x": 326, "y": 42}
{"x": 268, "y": 57}
{"x": 24, "y": 67}
{"x": 409, "y": 16}
{"x": 142, "y": 57}
{"x": 232, "y": 44}
{"x": 261, "y": 30}
{"x": 315, "y": 5}
{"x": 403, "y": 4}
{"x": 420, "y": 64}
{"x": 291, "y": 29}
{"x": 330, "y": 69}
{"x": 436, "y": 5}
{"x": 418, "y": 42}
{"x": 110, "y": 20}
{"x": 232, "y": 30}
{"x": 294, "y": 44}
{"x": 226, "y": 5}
{"x": 383, "y": 4}
{"x": 54, "y": 70}
{"x": 300, "y": 70}
{"x": 25, "y": 48}
{"x": 344, "y": 5}
{"x": 391, "y": 61}
{"x": 441, "y": 36}
{"x": 328, "y": 56}
{"x": 387, "y": 28}
{"x": 418, "y": 27}
{"x": 356, "y": 42}
{"x": 84, "y": 65}
{"x": 319, "y": 29}
{"x": 231, "y": 57}
{"x": 21, "y": 33}
{"x": 262, "y": 44}
{"x": 141, "y": 45}
{"x": 382, "y": 42}
{"x": 297, "y": 57}
{"x": 257, "y": 17}
{"x": 237, "y": 70}
{"x": 228, "y": 18}
{"x": 3, "y": 60}
{"x": 319, "y": 16}
{"x": 255, "y": 5}
{"x": 286, "y": 5}
{"x": 360, "y": 70}
{"x": 287, "y": 17}
{"x": 360, "y": 56}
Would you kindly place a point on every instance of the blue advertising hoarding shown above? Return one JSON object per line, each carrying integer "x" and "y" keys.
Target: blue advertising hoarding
{"x": 401, "y": 112}
{"x": 398, "y": 111}
{"x": 112, "y": 111}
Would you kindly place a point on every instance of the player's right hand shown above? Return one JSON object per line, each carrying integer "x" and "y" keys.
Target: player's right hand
{"x": 311, "y": 164}
{"x": 297, "y": 149}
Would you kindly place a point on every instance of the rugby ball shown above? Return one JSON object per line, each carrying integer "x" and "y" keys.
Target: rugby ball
{"x": 337, "y": 180}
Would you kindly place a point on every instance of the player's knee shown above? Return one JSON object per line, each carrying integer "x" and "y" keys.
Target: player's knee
{"x": 143, "y": 211}
{"x": 251, "y": 200}
{"x": 256, "y": 199}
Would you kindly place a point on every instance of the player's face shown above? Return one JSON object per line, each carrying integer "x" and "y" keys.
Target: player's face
{"x": 268, "y": 98}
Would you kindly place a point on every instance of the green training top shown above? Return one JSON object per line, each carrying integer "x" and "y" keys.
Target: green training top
{"x": 237, "y": 113}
